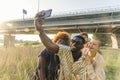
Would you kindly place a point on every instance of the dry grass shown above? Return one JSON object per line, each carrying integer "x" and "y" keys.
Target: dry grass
{"x": 18, "y": 63}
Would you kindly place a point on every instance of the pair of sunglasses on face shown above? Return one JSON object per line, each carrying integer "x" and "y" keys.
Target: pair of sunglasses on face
{"x": 76, "y": 40}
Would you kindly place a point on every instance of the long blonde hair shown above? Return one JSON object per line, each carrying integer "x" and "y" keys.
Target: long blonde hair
{"x": 99, "y": 42}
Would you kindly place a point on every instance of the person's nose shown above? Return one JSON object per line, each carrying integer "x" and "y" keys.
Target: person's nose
{"x": 90, "y": 45}
{"x": 74, "y": 43}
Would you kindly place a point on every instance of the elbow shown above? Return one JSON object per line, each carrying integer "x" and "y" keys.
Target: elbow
{"x": 53, "y": 49}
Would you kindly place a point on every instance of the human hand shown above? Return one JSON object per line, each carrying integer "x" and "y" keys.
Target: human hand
{"x": 88, "y": 59}
{"x": 38, "y": 22}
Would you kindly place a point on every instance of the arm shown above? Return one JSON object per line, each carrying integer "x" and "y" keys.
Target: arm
{"x": 95, "y": 71}
{"x": 41, "y": 68}
{"x": 44, "y": 38}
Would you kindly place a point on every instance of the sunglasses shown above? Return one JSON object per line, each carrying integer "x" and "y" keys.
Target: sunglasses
{"x": 77, "y": 42}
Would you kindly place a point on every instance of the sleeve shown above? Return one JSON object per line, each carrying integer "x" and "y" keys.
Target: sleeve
{"x": 97, "y": 72}
{"x": 66, "y": 61}
{"x": 79, "y": 66}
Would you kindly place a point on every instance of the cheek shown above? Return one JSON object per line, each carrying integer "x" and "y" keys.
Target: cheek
{"x": 73, "y": 45}
{"x": 95, "y": 48}
{"x": 92, "y": 47}
{"x": 70, "y": 43}
{"x": 80, "y": 46}
{"x": 86, "y": 39}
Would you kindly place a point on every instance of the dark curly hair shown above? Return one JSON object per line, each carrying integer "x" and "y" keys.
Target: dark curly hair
{"x": 84, "y": 33}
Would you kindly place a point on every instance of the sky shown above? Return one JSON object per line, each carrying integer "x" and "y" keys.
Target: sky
{"x": 12, "y": 9}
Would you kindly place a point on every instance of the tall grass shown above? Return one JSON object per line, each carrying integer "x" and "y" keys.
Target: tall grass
{"x": 18, "y": 63}
{"x": 112, "y": 59}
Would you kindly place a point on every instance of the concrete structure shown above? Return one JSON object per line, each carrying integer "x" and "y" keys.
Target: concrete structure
{"x": 102, "y": 21}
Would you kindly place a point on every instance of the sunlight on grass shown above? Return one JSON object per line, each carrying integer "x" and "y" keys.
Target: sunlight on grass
{"x": 18, "y": 63}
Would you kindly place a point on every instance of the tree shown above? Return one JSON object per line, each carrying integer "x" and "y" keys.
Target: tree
{"x": 104, "y": 38}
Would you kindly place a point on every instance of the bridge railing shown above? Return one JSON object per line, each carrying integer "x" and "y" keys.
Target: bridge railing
{"x": 88, "y": 11}
{"x": 108, "y": 9}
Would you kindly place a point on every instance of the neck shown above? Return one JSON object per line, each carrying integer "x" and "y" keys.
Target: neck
{"x": 93, "y": 53}
{"x": 76, "y": 55}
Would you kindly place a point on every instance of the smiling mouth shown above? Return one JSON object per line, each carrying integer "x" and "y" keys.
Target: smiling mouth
{"x": 73, "y": 47}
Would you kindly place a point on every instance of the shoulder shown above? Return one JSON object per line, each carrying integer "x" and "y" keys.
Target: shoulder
{"x": 44, "y": 53}
{"x": 64, "y": 49}
{"x": 99, "y": 58}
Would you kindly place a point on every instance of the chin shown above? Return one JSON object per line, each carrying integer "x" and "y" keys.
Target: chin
{"x": 73, "y": 49}
{"x": 91, "y": 49}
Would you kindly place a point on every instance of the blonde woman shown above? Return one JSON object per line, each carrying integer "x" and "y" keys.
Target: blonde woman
{"x": 94, "y": 61}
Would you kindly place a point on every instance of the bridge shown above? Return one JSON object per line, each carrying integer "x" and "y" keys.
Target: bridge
{"x": 102, "y": 21}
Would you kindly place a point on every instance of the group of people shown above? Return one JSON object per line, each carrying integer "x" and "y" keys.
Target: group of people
{"x": 68, "y": 59}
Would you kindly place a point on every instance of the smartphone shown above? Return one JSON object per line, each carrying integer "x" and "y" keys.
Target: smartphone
{"x": 47, "y": 13}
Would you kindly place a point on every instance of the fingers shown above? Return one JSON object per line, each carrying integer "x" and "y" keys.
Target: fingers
{"x": 87, "y": 56}
{"x": 39, "y": 14}
{"x": 38, "y": 22}
{"x": 86, "y": 51}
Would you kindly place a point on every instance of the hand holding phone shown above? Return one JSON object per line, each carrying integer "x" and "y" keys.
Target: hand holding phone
{"x": 46, "y": 13}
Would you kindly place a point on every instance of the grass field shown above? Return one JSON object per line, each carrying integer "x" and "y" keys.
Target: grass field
{"x": 112, "y": 59}
{"x": 18, "y": 63}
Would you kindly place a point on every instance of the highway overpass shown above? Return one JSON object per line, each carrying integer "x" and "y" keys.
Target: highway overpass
{"x": 103, "y": 21}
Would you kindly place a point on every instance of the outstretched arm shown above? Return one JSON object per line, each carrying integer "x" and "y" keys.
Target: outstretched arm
{"x": 44, "y": 38}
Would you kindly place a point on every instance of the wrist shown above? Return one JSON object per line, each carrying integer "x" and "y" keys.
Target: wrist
{"x": 88, "y": 63}
{"x": 40, "y": 29}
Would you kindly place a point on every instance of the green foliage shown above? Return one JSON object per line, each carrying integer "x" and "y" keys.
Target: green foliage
{"x": 105, "y": 39}
{"x": 111, "y": 72}
{"x": 112, "y": 68}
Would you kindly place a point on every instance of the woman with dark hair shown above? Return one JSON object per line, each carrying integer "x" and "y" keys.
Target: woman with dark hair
{"x": 68, "y": 67}
{"x": 49, "y": 63}
{"x": 85, "y": 36}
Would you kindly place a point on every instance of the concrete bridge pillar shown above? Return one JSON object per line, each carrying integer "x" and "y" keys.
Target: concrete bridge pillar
{"x": 115, "y": 40}
{"x": 9, "y": 40}
{"x": 118, "y": 39}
